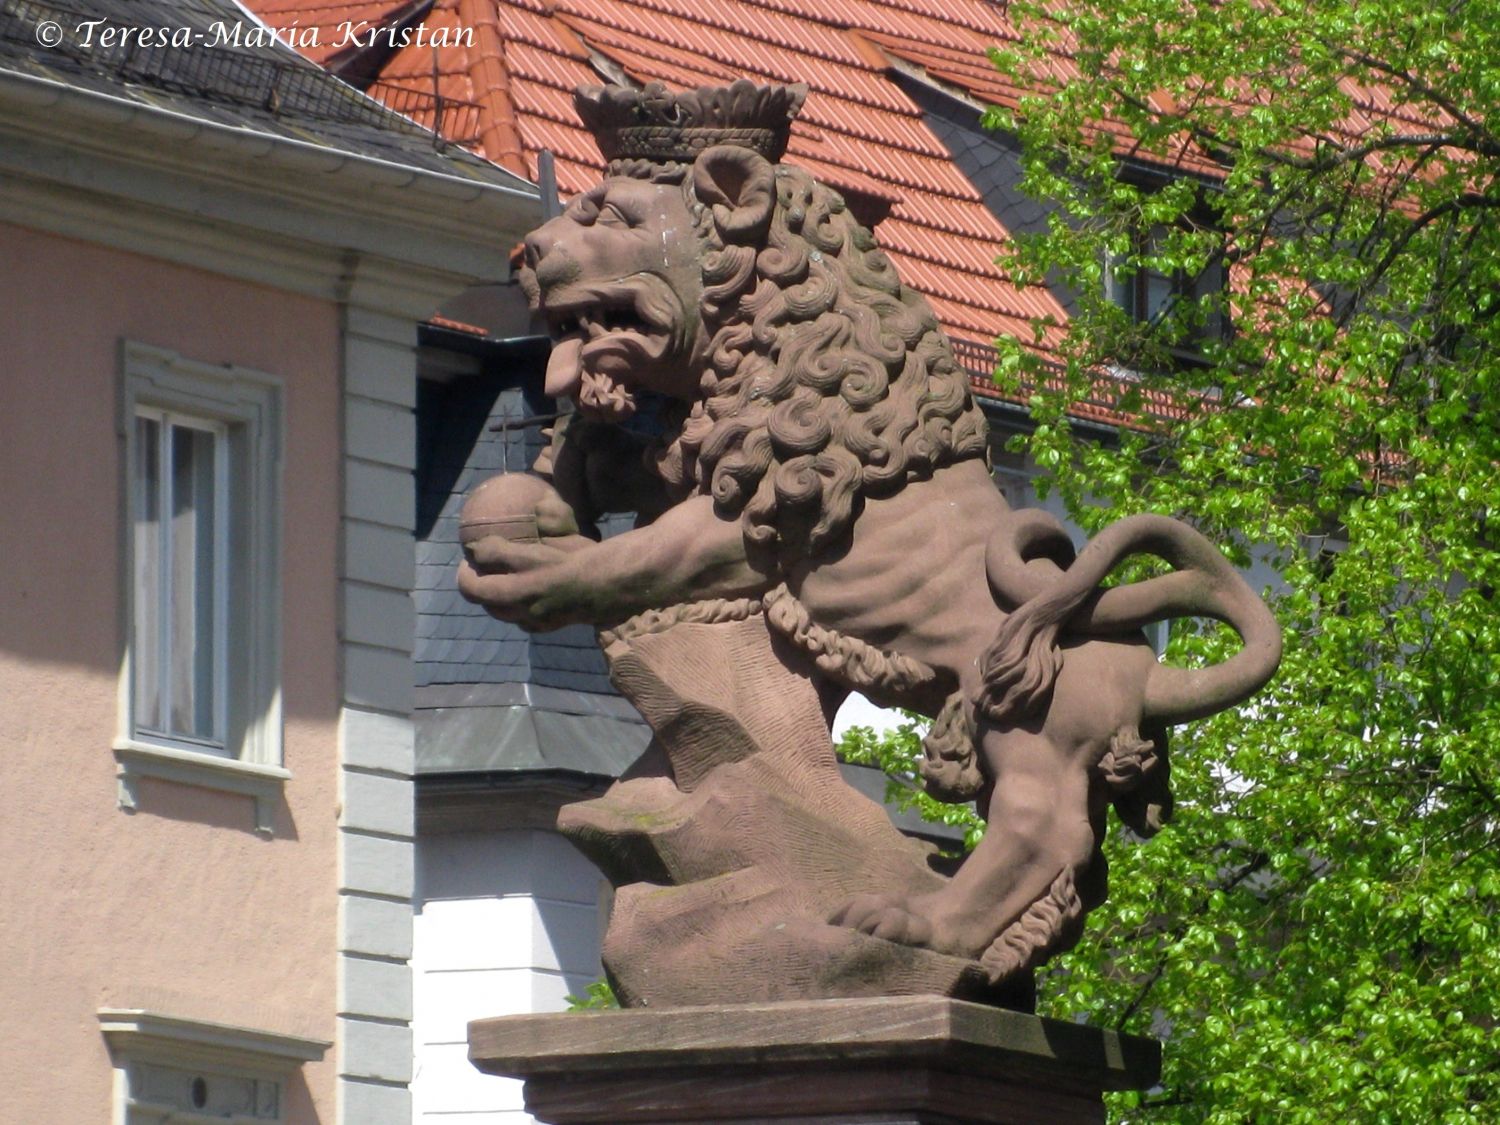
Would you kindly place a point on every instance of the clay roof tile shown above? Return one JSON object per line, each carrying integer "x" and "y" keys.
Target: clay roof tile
{"x": 859, "y": 131}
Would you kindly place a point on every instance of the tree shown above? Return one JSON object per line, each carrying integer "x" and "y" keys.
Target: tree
{"x": 1316, "y": 933}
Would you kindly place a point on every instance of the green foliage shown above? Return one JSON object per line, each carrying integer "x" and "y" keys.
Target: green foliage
{"x": 897, "y": 752}
{"x": 598, "y": 996}
{"x": 1317, "y": 931}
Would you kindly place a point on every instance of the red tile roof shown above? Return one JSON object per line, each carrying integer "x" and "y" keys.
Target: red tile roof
{"x": 859, "y": 131}
{"x": 498, "y": 76}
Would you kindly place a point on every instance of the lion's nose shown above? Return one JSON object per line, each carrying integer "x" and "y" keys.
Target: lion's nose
{"x": 538, "y": 243}
{"x": 555, "y": 269}
{"x": 542, "y": 242}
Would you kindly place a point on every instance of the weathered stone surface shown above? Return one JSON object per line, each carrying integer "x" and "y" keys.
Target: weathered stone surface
{"x": 737, "y": 840}
{"x": 916, "y": 1060}
{"x": 815, "y": 517}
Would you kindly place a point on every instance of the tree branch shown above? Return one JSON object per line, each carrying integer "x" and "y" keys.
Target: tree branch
{"x": 1397, "y": 247}
{"x": 1488, "y": 145}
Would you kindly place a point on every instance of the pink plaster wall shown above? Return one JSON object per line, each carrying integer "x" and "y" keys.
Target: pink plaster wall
{"x": 180, "y": 906}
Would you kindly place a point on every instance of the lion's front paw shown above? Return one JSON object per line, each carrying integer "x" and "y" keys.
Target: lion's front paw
{"x": 533, "y": 585}
{"x": 884, "y": 916}
{"x": 518, "y": 598}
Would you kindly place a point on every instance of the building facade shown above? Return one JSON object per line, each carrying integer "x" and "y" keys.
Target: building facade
{"x": 216, "y": 262}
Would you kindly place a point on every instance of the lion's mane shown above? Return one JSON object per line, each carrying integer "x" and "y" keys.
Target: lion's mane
{"x": 827, "y": 382}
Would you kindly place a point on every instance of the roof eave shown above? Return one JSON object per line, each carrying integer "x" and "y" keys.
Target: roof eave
{"x": 380, "y": 197}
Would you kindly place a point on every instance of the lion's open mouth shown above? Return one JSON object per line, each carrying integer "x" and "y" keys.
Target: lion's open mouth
{"x": 593, "y": 321}
{"x": 606, "y": 344}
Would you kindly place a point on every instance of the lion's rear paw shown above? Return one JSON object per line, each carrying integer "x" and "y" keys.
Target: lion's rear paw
{"x": 884, "y": 916}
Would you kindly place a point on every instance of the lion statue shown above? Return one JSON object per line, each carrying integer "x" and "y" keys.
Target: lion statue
{"x": 820, "y": 456}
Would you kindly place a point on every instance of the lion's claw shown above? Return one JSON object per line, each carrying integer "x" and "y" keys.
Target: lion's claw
{"x": 884, "y": 916}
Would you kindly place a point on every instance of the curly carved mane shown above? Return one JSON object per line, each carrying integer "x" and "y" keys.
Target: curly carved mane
{"x": 827, "y": 382}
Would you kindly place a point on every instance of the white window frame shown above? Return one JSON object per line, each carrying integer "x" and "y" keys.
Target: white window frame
{"x": 242, "y": 407}
{"x": 161, "y": 1061}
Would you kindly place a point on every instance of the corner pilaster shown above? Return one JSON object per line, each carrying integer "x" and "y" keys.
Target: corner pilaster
{"x": 376, "y": 829}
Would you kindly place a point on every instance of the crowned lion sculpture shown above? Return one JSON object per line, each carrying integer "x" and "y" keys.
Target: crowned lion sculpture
{"x": 817, "y": 516}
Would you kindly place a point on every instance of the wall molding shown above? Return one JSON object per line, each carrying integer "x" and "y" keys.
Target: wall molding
{"x": 249, "y": 205}
{"x": 174, "y": 1068}
{"x": 263, "y": 783}
{"x": 141, "y": 1031}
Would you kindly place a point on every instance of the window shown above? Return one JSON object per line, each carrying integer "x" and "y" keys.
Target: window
{"x": 200, "y": 694}
{"x": 174, "y": 1071}
{"x": 1158, "y": 298}
{"x": 180, "y": 558}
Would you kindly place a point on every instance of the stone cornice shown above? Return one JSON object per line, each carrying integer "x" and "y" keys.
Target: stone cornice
{"x": 263, "y": 208}
{"x": 142, "y": 1033}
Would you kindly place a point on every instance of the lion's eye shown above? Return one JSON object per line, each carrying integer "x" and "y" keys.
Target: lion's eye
{"x": 611, "y": 215}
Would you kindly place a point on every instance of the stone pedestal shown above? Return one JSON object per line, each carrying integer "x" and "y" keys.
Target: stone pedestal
{"x": 912, "y": 1060}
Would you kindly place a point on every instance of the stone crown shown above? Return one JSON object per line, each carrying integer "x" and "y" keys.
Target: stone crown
{"x": 657, "y": 125}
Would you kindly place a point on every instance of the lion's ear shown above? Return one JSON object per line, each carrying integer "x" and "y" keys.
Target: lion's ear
{"x": 740, "y": 185}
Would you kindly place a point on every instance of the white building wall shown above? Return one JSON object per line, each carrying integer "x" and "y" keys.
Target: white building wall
{"x": 506, "y": 922}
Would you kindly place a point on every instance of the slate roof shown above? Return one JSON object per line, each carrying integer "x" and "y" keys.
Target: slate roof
{"x": 490, "y": 697}
{"x": 456, "y": 641}
{"x": 255, "y": 83}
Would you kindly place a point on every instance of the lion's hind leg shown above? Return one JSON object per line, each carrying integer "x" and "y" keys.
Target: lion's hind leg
{"x": 1133, "y": 774}
{"x": 1040, "y": 843}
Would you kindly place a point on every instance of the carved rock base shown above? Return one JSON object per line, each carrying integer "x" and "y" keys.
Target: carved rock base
{"x": 735, "y": 839}
{"x": 922, "y": 1060}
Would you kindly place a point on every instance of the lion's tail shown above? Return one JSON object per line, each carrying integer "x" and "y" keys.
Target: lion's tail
{"x": 1021, "y": 664}
{"x": 1033, "y": 573}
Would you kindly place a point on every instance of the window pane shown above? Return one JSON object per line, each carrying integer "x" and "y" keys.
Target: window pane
{"x": 193, "y": 639}
{"x": 1156, "y": 295}
{"x": 1121, "y": 288}
{"x": 148, "y": 534}
{"x": 1210, "y": 285}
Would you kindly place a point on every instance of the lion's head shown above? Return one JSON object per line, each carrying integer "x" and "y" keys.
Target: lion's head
{"x": 806, "y": 376}
{"x": 617, "y": 276}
